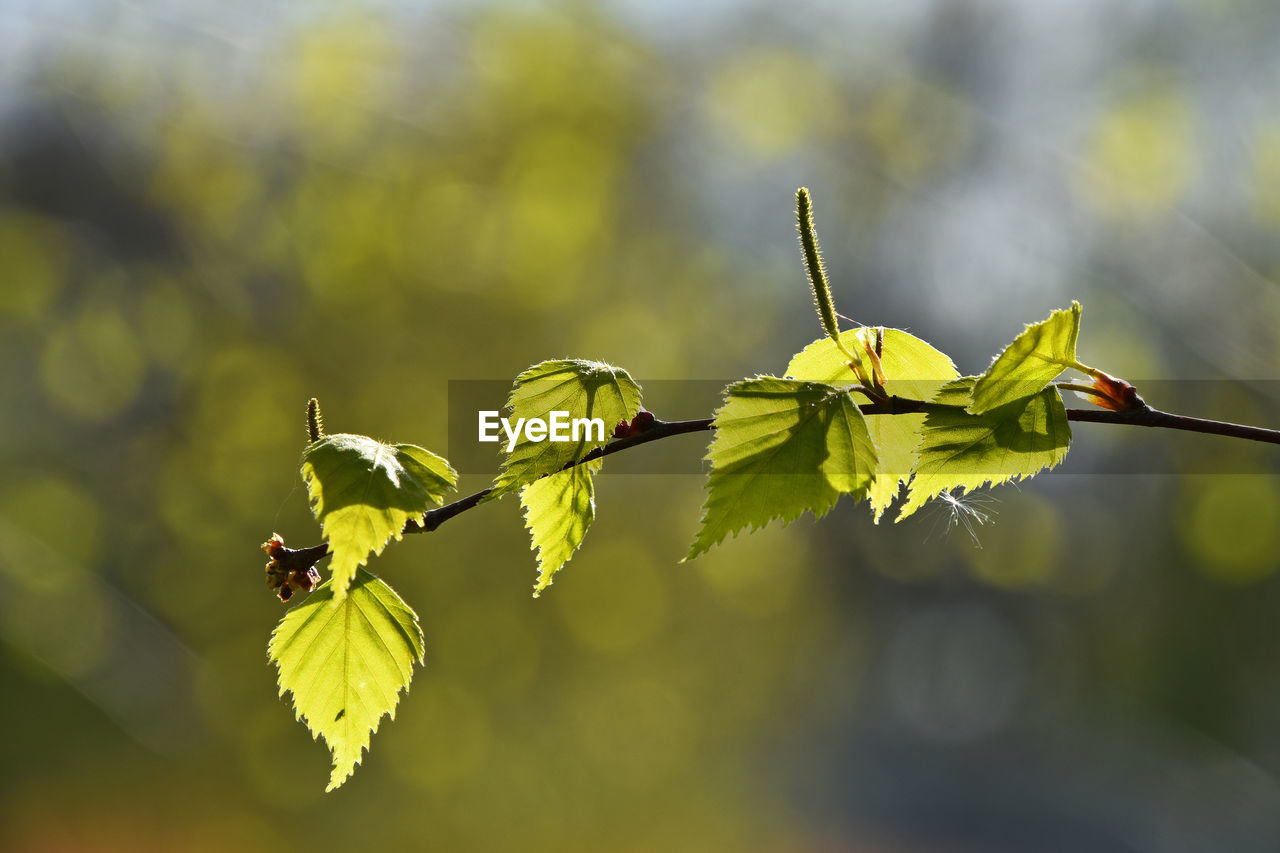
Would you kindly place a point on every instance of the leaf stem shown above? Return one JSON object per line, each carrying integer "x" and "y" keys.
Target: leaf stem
{"x": 1083, "y": 389}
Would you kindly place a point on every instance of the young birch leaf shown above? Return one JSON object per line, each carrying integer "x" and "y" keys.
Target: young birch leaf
{"x": 912, "y": 369}
{"x": 346, "y": 664}
{"x": 1032, "y": 361}
{"x": 782, "y": 447}
{"x": 558, "y": 509}
{"x": 363, "y": 491}
{"x": 958, "y": 449}
{"x": 584, "y": 389}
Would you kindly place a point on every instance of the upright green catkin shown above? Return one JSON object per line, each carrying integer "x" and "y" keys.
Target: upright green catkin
{"x": 813, "y": 264}
{"x": 315, "y": 424}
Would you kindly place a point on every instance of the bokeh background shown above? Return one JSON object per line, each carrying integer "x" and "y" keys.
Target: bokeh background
{"x": 210, "y": 212}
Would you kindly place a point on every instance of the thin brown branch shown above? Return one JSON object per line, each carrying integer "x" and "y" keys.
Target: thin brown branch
{"x": 1147, "y": 417}
{"x": 1150, "y": 417}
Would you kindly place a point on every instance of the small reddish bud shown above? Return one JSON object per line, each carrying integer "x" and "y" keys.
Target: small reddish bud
{"x": 1116, "y": 394}
{"x": 622, "y": 430}
{"x": 286, "y": 573}
{"x": 277, "y": 575}
{"x": 304, "y": 580}
{"x": 274, "y": 545}
{"x": 642, "y": 421}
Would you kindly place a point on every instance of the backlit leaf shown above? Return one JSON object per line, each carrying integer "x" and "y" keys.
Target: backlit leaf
{"x": 912, "y": 368}
{"x": 584, "y": 389}
{"x": 558, "y": 509}
{"x": 782, "y": 447}
{"x": 959, "y": 449}
{"x": 346, "y": 663}
{"x": 363, "y": 491}
{"x": 1032, "y": 361}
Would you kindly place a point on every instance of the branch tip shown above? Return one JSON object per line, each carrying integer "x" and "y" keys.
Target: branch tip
{"x": 290, "y": 570}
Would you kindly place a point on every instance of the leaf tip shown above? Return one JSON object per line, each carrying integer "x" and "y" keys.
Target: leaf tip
{"x": 545, "y": 579}
{"x": 698, "y": 548}
{"x": 339, "y": 777}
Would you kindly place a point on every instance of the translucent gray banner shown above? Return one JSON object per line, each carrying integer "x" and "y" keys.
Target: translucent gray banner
{"x": 1101, "y": 448}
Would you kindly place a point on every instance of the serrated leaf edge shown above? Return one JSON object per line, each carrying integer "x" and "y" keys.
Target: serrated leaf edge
{"x": 390, "y": 713}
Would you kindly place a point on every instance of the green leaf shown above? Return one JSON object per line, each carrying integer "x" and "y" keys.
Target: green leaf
{"x": 558, "y": 509}
{"x": 912, "y": 369}
{"x": 1032, "y": 361}
{"x": 962, "y": 450}
{"x": 363, "y": 491}
{"x": 346, "y": 662}
{"x": 584, "y": 389}
{"x": 782, "y": 447}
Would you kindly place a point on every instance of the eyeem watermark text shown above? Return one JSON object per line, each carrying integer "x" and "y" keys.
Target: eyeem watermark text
{"x": 558, "y": 426}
